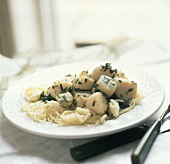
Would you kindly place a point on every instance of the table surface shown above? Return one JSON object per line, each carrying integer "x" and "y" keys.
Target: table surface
{"x": 18, "y": 146}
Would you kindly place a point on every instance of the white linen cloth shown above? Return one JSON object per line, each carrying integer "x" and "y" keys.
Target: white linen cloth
{"x": 20, "y": 147}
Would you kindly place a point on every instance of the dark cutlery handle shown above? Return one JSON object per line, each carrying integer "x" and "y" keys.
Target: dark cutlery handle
{"x": 140, "y": 152}
{"x": 98, "y": 146}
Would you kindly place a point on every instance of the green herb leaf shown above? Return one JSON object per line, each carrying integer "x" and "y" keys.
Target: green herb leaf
{"x": 93, "y": 104}
{"x": 79, "y": 82}
{"x": 61, "y": 87}
{"x": 129, "y": 90}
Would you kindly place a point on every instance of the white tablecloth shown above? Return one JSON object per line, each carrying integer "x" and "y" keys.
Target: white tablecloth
{"x": 20, "y": 147}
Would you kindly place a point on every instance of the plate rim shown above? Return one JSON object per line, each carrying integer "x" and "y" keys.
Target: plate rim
{"x": 99, "y": 134}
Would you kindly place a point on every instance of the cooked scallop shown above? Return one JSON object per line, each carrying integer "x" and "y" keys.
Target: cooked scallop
{"x": 83, "y": 83}
{"x": 64, "y": 99}
{"x": 97, "y": 102}
{"x": 59, "y": 87}
{"x": 126, "y": 90}
{"x": 84, "y": 73}
{"x": 106, "y": 85}
{"x": 81, "y": 99}
{"x": 103, "y": 70}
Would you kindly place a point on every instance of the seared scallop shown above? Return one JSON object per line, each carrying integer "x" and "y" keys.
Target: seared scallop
{"x": 64, "y": 99}
{"x": 81, "y": 99}
{"x": 83, "y": 83}
{"x": 126, "y": 90}
{"x": 103, "y": 70}
{"x": 106, "y": 85}
{"x": 97, "y": 102}
{"x": 59, "y": 87}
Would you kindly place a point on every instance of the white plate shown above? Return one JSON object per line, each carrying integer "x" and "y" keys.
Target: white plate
{"x": 13, "y": 100}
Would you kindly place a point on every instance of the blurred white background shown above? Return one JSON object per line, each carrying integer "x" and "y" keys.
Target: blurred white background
{"x": 66, "y": 24}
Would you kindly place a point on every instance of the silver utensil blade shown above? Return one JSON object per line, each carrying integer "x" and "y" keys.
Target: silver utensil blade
{"x": 165, "y": 127}
{"x": 166, "y": 124}
{"x": 141, "y": 151}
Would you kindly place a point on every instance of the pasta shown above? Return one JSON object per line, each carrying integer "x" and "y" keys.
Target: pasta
{"x": 84, "y": 99}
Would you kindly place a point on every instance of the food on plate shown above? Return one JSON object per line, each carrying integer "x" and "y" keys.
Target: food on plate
{"x": 89, "y": 98}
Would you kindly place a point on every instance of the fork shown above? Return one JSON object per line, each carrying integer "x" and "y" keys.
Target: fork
{"x": 140, "y": 152}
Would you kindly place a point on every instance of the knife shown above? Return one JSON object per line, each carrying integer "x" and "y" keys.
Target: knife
{"x": 140, "y": 152}
{"x": 98, "y": 146}
{"x": 101, "y": 145}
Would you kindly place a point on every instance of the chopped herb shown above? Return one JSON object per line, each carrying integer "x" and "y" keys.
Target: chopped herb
{"x": 70, "y": 89}
{"x": 123, "y": 105}
{"x": 133, "y": 82}
{"x": 112, "y": 84}
{"x": 129, "y": 90}
{"x": 86, "y": 80}
{"x": 42, "y": 95}
{"x": 106, "y": 66}
{"x": 120, "y": 81}
{"x": 65, "y": 98}
{"x": 46, "y": 97}
{"x": 61, "y": 87}
{"x": 93, "y": 104}
{"x": 79, "y": 82}
{"x": 121, "y": 95}
{"x": 106, "y": 80}
{"x": 73, "y": 88}
{"x": 95, "y": 88}
{"x": 113, "y": 71}
{"x": 95, "y": 85}
{"x": 61, "y": 101}
{"x": 64, "y": 90}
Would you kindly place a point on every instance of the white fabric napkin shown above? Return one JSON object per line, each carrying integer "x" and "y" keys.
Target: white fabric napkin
{"x": 20, "y": 147}
{"x": 7, "y": 67}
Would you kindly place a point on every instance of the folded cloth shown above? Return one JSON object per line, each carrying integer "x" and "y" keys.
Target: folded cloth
{"x": 8, "y": 67}
{"x": 145, "y": 53}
